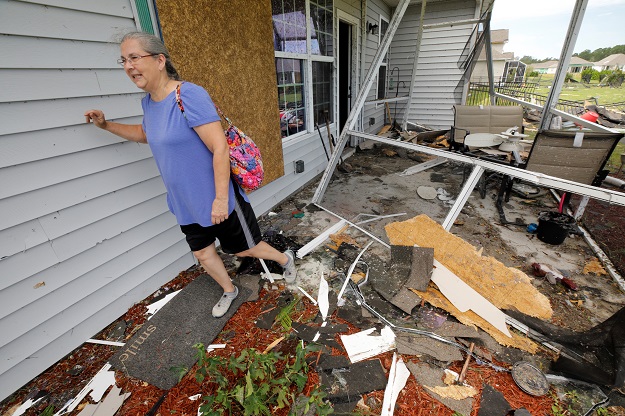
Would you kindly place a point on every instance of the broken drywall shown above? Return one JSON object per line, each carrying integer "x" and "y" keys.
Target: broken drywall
{"x": 505, "y": 287}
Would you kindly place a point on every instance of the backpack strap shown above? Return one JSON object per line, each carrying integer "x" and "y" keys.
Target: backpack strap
{"x": 179, "y": 100}
{"x": 221, "y": 113}
{"x": 181, "y": 106}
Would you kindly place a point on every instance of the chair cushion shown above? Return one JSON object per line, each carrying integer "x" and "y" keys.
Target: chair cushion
{"x": 487, "y": 119}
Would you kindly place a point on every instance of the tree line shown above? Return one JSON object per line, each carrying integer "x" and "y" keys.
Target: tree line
{"x": 590, "y": 56}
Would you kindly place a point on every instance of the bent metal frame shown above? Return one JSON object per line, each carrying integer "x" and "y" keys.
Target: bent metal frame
{"x": 479, "y": 166}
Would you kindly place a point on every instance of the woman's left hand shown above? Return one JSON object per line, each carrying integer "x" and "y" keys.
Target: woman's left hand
{"x": 220, "y": 211}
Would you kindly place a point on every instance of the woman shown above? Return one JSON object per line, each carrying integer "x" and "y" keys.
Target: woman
{"x": 192, "y": 156}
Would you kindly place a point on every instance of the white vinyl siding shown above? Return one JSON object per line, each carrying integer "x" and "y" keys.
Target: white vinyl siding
{"x": 438, "y": 75}
{"x": 84, "y": 228}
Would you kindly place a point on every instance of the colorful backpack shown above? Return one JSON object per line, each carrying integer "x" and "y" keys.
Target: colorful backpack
{"x": 246, "y": 163}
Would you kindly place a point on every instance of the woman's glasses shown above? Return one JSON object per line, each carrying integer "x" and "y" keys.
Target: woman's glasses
{"x": 134, "y": 58}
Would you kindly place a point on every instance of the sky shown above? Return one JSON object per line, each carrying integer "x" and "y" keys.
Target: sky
{"x": 538, "y": 27}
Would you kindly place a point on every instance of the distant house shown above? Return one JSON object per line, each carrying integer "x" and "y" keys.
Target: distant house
{"x": 576, "y": 65}
{"x": 498, "y": 39}
{"x": 614, "y": 61}
{"x": 547, "y": 67}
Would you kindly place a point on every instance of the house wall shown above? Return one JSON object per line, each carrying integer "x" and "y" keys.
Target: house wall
{"x": 480, "y": 71}
{"x": 437, "y": 88}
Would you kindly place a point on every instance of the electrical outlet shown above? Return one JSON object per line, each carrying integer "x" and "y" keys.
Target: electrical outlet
{"x": 371, "y": 121}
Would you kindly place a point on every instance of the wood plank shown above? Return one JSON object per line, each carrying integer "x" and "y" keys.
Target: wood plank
{"x": 17, "y": 116}
{"x": 25, "y": 207}
{"x": 53, "y": 350}
{"x": 90, "y": 263}
{"x": 26, "y": 177}
{"x": 19, "y": 18}
{"x": 57, "y": 53}
{"x": 45, "y": 84}
{"x": 29, "y": 328}
{"x": 70, "y": 219}
{"x": 31, "y": 146}
{"x": 119, "y": 8}
{"x": 505, "y": 287}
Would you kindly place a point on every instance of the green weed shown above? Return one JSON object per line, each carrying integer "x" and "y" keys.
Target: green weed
{"x": 259, "y": 383}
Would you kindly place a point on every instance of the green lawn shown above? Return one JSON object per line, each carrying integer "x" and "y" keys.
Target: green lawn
{"x": 578, "y": 91}
{"x": 615, "y": 159}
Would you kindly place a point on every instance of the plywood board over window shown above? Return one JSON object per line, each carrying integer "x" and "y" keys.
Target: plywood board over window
{"x": 226, "y": 46}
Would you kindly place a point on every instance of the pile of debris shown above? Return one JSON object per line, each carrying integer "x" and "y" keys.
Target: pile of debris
{"x": 416, "y": 319}
{"x": 601, "y": 115}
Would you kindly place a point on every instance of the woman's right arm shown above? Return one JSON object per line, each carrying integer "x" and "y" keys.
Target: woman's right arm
{"x": 132, "y": 132}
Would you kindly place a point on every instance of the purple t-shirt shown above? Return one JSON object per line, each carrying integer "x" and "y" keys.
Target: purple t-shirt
{"x": 184, "y": 161}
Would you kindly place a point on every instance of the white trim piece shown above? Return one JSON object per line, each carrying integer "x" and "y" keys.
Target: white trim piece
{"x": 379, "y": 217}
{"x": 107, "y": 407}
{"x": 464, "y": 195}
{"x": 455, "y": 23}
{"x": 355, "y": 226}
{"x": 577, "y": 16}
{"x": 290, "y": 55}
{"x": 524, "y": 329}
{"x": 266, "y": 269}
{"x": 98, "y": 385}
{"x": 581, "y": 207}
{"x": 363, "y": 345}
{"x": 397, "y": 378}
{"x": 348, "y": 277}
{"x": 105, "y": 342}
{"x": 581, "y": 121}
{"x": 555, "y": 111}
{"x": 387, "y": 100}
{"x": 135, "y": 15}
{"x": 607, "y": 195}
{"x": 156, "y": 306}
{"x": 423, "y": 166}
{"x": 25, "y": 406}
{"x": 465, "y": 298}
{"x": 322, "y": 295}
{"x": 319, "y": 239}
{"x": 216, "y": 346}
{"x": 313, "y": 300}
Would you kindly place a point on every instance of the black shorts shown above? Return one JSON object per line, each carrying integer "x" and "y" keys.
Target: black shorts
{"x": 239, "y": 232}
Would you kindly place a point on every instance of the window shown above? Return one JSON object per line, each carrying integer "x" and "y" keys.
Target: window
{"x": 304, "y": 50}
{"x": 291, "y": 96}
{"x": 382, "y": 70}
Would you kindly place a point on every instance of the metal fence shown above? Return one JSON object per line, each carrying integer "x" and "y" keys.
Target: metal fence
{"x": 620, "y": 106}
{"x": 479, "y": 95}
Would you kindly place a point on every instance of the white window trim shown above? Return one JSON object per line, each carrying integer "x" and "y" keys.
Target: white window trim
{"x": 377, "y": 83}
{"x": 355, "y": 22}
{"x": 310, "y": 57}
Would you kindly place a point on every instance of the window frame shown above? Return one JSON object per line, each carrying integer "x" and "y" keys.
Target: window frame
{"x": 307, "y": 61}
{"x": 382, "y": 64}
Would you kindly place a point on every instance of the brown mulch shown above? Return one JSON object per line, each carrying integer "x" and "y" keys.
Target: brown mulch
{"x": 239, "y": 333}
{"x": 606, "y": 224}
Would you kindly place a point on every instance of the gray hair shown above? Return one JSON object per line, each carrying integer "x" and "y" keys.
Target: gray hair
{"x": 153, "y": 45}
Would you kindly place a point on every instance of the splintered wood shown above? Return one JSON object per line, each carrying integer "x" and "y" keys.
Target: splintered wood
{"x": 504, "y": 287}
